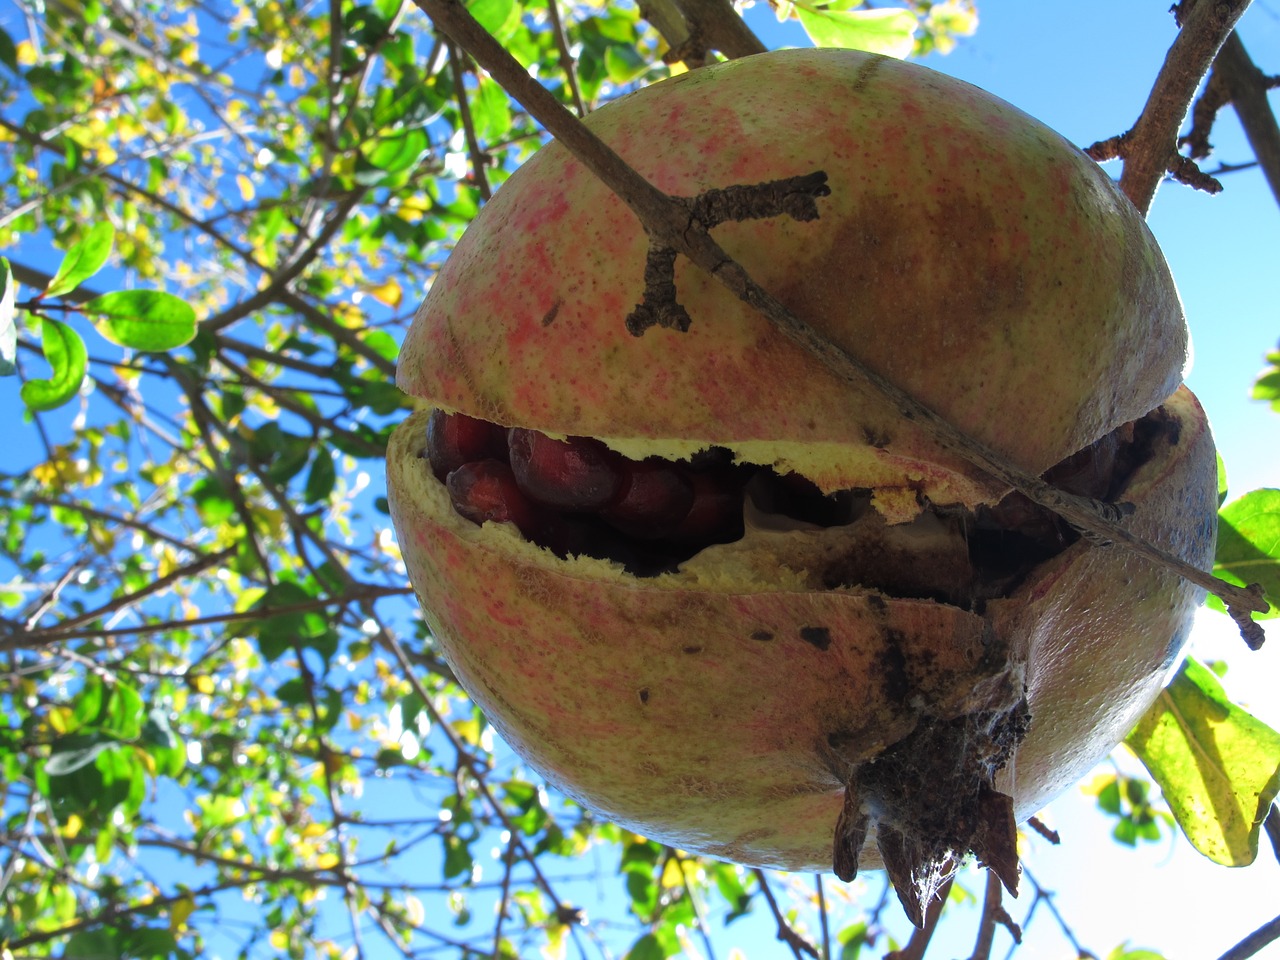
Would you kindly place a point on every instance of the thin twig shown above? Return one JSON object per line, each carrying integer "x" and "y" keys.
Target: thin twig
{"x": 822, "y": 917}
{"x": 1153, "y": 140}
{"x": 1248, "y": 88}
{"x": 669, "y": 223}
{"x": 920, "y": 937}
{"x": 993, "y": 913}
{"x": 1267, "y": 933}
{"x": 566, "y": 57}
{"x": 798, "y": 944}
{"x": 55, "y": 634}
{"x": 478, "y": 157}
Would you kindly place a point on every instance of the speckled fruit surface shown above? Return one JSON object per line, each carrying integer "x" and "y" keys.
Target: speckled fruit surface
{"x": 718, "y": 708}
{"x": 757, "y": 701}
{"x": 966, "y": 251}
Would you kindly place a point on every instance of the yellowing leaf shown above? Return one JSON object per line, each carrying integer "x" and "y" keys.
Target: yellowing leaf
{"x": 179, "y": 912}
{"x": 247, "y": 191}
{"x": 388, "y": 292}
{"x": 1217, "y": 765}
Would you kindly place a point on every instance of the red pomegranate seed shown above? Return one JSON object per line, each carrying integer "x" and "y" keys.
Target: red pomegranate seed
{"x": 487, "y": 490}
{"x": 455, "y": 438}
{"x": 579, "y": 474}
{"x": 716, "y": 514}
{"x": 656, "y": 498}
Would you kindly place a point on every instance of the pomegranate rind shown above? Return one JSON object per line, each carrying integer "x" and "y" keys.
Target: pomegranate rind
{"x": 721, "y": 708}
{"x": 967, "y": 252}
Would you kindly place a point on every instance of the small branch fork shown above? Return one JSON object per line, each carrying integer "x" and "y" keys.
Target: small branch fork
{"x": 674, "y": 229}
{"x": 1150, "y": 148}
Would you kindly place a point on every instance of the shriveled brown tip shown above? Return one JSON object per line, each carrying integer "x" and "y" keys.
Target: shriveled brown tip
{"x": 995, "y": 842}
{"x": 851, "y": 834}
{"x": 917, "y": 870}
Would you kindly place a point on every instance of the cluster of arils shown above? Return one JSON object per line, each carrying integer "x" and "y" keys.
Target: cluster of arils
{"x": 577, "y": 496}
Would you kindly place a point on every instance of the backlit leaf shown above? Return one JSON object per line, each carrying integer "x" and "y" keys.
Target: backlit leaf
{"x": 65, "y": 351}
{"x": 496, "y": 16}
{"x": 1249, "y": 544}
{"x": 83, "y": 260}
{"x": 8, "y": 322}
{"x": 1267, "y": 386}
{"x": 150, "y": 320}
{"x": 1217, "y": 765}
{"x": 887, "y": 31}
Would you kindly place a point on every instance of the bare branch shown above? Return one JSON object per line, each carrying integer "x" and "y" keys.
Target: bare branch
{"x": 1152, "y": 142}
{"x": 1250, "y": 946}
{"x": 1248, "y": 88}
{"x": 798, "y": 944}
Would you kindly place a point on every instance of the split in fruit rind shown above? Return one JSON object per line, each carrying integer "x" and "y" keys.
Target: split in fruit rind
{"x": 721, "y": 708}
{"x": 967, "y": 253}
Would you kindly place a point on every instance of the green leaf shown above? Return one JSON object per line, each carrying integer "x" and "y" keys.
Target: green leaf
{"x": 648, "y": 947}
{"x": 66, "y": 354}
{"x": 8, "y": 51}
{"x": 886, "y": 31}
{"x": 1267, "y": 386}
{"x": 321, "y": 478}
{"x": 1218, "y": 766}
{"x": 457, "y": 857}
{"x": 1123, "y": 952}
{"x": 144, "y": 319}
{"x": 396, "y": 151}
{"x": 1249, "y": 544}
{"x": 8, "y": 324}
{"x": 499, "y": 17}
{"x": 124, "y": 712}
{"x": 75, "y": 753}
{"x": 491, "y": 110}
{"x": 83, "y": 260}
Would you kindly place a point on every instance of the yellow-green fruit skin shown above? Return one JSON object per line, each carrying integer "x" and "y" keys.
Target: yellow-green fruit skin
{"x": 966, "y": 252}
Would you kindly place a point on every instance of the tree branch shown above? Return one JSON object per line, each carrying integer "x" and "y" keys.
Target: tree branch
{"x": 1267, "y": 933}
{"x": 798, "y": 944}
{"x": 670, "y": 224}
{"x": 1247, "y": 86}
{"x": 1152, "y": 143}
{"x": 694, "y": 28}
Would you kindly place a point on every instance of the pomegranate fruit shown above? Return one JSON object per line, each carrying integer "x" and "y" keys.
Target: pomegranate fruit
{"x": 715, "y": 593}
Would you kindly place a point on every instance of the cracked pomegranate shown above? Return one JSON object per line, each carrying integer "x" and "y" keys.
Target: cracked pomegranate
{"x": 742, "y": 606}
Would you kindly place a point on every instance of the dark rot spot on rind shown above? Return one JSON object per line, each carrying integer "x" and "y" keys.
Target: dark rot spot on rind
{"x": 644, "y": 694}
{"x": 820, "y": 637}
{"x": 763, "y": 636}
{"x": 892, "y": 669}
